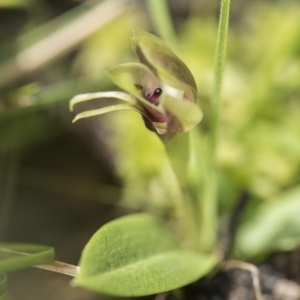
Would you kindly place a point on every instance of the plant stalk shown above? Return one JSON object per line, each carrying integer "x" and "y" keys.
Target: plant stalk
{"x": 177, "y": 148}
{"x": 208, "y": 205}
{"x": 220, "y": 58}
{"x": 60, "y": 267}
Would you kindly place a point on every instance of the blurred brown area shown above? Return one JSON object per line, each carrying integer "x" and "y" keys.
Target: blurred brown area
{"x": 42, "y": 211}
{"x": 57, "y": 183}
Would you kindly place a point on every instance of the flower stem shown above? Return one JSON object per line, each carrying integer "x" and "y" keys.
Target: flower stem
{"x": 162, "y": 20}
{"x": 220, "y": 59}
{"x": 208, "y": 207}
{"x": 178, "y": 148}
{"x": 60, "y": 267}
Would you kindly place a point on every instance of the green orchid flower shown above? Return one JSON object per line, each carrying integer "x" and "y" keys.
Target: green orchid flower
{"x": 160, "y": 87}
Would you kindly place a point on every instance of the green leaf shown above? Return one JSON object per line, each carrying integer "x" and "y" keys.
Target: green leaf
{"x": 273, "y": 226}
{"x": 135, "y": 256}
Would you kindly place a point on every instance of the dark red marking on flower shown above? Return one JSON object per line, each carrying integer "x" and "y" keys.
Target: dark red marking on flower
{"x": 151, "y": 97}
{"x": 156, "y": 95}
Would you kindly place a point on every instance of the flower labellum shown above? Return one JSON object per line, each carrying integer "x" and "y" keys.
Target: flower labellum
{"x": 160, "y": 87}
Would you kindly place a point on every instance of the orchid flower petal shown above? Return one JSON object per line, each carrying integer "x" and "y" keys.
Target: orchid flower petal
{"x": 182, "y": 115}
{"x": 130, "y": 75}
{"x": 155, "y": 54}
{"x": 104, "y": 110}
{"x": 91, "y": 96}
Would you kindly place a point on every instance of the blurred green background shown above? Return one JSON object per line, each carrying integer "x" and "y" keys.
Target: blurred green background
{"x": 59, "y": 182}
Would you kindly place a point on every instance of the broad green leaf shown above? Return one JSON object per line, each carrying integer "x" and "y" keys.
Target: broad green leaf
{"x": 136, "y": 255}
{"x": 273, "y": 226}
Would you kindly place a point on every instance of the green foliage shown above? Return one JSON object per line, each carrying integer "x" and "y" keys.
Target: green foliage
{"x": 136, "y": 255}
{"x": 271, "y": 226}
{"x": 259, "y": 139}
{"x": 259, "y": 127}
{"x": 142, "y": 164}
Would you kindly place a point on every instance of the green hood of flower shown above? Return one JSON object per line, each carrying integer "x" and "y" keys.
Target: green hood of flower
{"x": 155, "y": 54}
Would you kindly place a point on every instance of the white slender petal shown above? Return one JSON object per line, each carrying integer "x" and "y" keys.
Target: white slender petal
{"x": 104, "y": 110}
{"x": 91, "y": 96}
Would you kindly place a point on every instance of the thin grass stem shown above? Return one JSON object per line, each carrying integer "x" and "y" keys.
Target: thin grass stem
{"x": 220, "y": 59}
{"x": 208, "y": 205}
